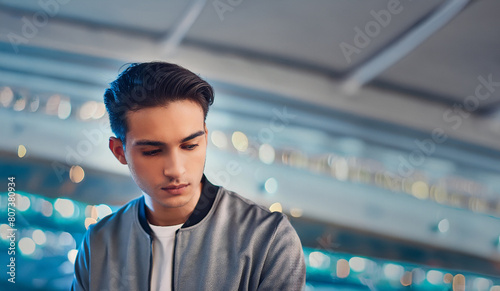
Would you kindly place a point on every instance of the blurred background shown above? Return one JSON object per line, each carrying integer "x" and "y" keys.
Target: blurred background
{"x": 374, "y": 125}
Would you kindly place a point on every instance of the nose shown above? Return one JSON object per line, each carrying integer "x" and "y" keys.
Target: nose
{"x": 174, "y": 166}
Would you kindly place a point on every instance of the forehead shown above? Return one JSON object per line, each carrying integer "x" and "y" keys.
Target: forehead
{"x": 167, "y": 123}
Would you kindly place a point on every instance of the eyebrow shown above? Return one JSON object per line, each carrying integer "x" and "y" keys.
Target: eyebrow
{"x": 145, "y": 142}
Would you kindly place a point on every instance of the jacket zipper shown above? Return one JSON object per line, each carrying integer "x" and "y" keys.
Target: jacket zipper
{"x": 150, "y": 262}
{"x": 173, "y": 259}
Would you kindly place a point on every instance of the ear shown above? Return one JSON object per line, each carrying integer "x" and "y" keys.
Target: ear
{"x": 206, "y": 132}
{"x": 116, "y": 147}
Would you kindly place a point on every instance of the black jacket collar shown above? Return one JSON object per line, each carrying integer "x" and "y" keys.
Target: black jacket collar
{"x": 207, "y": 198}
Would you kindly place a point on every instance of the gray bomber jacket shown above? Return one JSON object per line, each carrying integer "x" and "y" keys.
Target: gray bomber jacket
{"x": 228, "y": 243}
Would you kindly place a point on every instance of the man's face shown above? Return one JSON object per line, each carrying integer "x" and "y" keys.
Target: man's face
{"x": 165, "y": 152}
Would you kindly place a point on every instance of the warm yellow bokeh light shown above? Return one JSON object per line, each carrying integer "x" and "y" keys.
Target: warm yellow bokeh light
{"x": 448, "y": 278}
{"x": 240, "y": 141}
{"x": 6, "y": 96}
{"x": 343, "y": 268}
{"x": 406, "y": 279}
{"x": 296, "y": 212}
{"x": 420, "y": 190}
{"x": 89, "y": 221}
{"x": 21, "y": 151}
{"x": 88, "y": 110}
{"x": 275, "y": 207}
{"x": 76, "y": 174}
{"x": 219, "y": 139}
{"x": 459, "y": 283}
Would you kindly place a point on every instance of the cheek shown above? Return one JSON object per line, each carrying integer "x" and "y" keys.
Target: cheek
{"x": 198, "y": 159}
{"x": 142, "y": 168}
{"x": 202, "y": 154}
{"x": 143, "y": 173}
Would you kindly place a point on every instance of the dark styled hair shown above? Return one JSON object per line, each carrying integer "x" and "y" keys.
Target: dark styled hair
{"x": 152, "y": 84}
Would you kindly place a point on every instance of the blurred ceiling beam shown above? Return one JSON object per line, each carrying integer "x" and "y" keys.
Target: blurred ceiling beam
{"x": 402, "y": 46}
{"x": 173, "y": 39}
{"x": 300, "y": 85}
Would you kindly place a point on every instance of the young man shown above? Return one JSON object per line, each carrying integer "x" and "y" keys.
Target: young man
{"x": 183, "y": 233}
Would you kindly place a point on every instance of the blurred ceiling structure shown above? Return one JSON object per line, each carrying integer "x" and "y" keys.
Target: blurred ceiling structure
{"x": 388, "y": 72}
{"x": 286, "y": 40}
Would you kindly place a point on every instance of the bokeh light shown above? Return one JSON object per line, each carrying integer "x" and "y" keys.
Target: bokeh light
{"x": 271, "y": 185}
{"x": 275, "y": 207}
{"x": 26, "y": 246}
{"x": 357, "y": 264}
{"x": 4, "y": 231}
{"x": 103, "y": 210}
{"x": 240, "y": 141}
{"x": 64, "y": 109}
{"x": 341, "y": 169}
{"x": 447, "y": 278}
{"x": 219, "y": 139}
{"x": 459, "y": 282}
{"x": 319, "y": 260}
{"x": 66, "y": 239}
{"x": 393, "y": 271}
{"x": 88, "y": 109}
{"x": 89, "y": 221}
{"x": 420, "y": 189}
{"x": 343, "y": 268}
{"x": 47, "y": 208}
{"x": 21, "y": 151}
{"x": 76, "y": 174}
{"x": 482, "y": 284}
{"x": 100, "y": 110}
{"x": 72, "y": 255}
{"x": 296, "y": 212}
{"x": 444, "y": 225}
{"x": 39, "y": 237}
{"x": 52, "y": 105}
{"x": 65, "y": 207}
{"x": 6, "y": 96}
{"x": 22, "y": 202}
{"x": 266, "y": 154}
{"x": 19, "y": 104}
{"x": 434, "y": 277}
{"x": 406, "y": 279}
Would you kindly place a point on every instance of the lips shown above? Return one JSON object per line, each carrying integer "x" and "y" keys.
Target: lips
{"x": 175, "y": 189}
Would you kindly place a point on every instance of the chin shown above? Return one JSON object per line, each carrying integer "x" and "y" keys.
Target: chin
{"x": 175, "y": 201}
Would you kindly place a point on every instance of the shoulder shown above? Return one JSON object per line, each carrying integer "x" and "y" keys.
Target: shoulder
{"x": 238, "y": 202}
{"x": 244, "y": 211}
{"x": 123, "y": 217}
{"x": 245, "y": 218}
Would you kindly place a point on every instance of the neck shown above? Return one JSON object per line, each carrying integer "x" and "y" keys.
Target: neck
{"x": 161, "y": 215}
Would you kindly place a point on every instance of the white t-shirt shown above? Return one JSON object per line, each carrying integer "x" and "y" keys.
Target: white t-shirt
{"x": 163, "y": 249}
